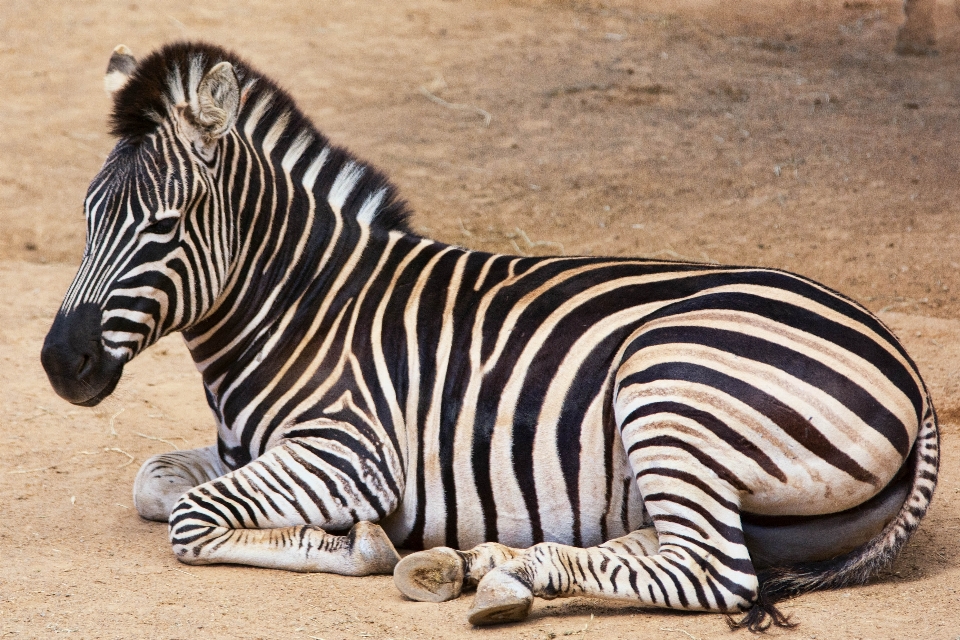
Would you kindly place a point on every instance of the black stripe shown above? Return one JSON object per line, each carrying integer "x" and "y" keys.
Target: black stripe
{"x": 816, "y": 325}
{"x": 680, "y": 520}
{"x": 221, "y": 486}
{"x": 670, "y": 441}
{"x": 794, "y": 363}
{"x": 716, "y": 426}
{"x": 345, "y": 468}
{"x": 791, "y": 422}
{"x": 697, "y": 587}
{"x": 689, "y": 478}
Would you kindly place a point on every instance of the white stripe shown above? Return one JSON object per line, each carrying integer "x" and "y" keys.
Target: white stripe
{"x": 310, "y": 175}
{"x": 296, "y": 150}
{"x": 193, "y": 81}
{"x": 483, "y": 272}
{"x": 256, "y": 113}
{"x": 346, "y": 180}
{"x": 276, "y": 130}
{"x": 370, "y": 206}
{"x": 175, "y": 86}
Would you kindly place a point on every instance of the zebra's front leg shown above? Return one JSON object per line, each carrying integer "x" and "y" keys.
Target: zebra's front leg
{"x": 165, "y": 477}
{"x": 275, "y": 511}
{"x": 442, "y": 573}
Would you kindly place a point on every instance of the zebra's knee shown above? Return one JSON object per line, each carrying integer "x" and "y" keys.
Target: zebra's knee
{"x": 158, "y": 485}
{"x": 165, "y": 477}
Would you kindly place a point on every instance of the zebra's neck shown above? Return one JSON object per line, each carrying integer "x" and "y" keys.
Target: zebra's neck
{"x": 301, "y": 212}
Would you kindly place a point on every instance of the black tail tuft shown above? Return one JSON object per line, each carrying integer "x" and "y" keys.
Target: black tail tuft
{"x": 762, "y": 615}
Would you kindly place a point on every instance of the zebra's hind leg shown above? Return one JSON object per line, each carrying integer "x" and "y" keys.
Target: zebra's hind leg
{"x": 696, "y": 559}
{"x": 165, "y": 477}
{"x": 442, "y": 573}
{"x": 506, "y": 599}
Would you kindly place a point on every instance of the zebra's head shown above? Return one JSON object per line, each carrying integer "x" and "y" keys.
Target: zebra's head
{"x": 158, "y": 244}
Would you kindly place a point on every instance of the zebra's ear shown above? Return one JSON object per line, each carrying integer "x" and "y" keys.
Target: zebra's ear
{"x": 119, "y": 69}
{"x": 218, "y": 101}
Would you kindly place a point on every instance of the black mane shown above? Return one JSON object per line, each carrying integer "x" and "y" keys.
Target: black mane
{"x": 145, "y": 100}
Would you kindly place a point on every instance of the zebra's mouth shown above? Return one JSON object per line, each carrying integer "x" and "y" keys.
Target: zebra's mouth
{"x": 106, "y": 391}
{"x": 91, "y": 389}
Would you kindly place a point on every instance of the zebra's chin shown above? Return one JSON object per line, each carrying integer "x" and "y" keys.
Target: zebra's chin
{"x": 106, "y": 391}
{"x": 90, "y": 391}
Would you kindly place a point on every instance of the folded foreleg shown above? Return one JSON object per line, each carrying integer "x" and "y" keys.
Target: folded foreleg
{"x": 275, "y": 512}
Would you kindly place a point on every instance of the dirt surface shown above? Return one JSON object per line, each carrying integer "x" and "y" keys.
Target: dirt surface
{"x": 781, "y": 133}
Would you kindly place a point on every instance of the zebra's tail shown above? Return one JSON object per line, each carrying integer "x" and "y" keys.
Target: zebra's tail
{"x": 859, "y": 565}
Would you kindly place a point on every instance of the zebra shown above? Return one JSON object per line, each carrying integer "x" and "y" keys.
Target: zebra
{"x": 683, "y": 435}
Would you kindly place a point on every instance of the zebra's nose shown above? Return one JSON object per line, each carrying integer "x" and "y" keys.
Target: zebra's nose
{"x": 74, "y": 359}
{"x": 72, "y": 348}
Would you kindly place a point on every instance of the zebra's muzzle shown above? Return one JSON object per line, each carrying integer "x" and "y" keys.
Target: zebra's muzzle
{"x": 78, "y": 367}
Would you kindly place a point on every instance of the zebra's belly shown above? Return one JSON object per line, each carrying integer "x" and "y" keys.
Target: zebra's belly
{"x": 591, "y": 500}
{"x": 602, "y": 500}
{"x": 514, "y": 528}
{"x": 783, "y": 541}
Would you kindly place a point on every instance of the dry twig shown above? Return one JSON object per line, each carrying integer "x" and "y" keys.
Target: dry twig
{"x": 518, "y": 232}
{"x": 143, "y": 435}
{"x": 113, "y": 431}
{"x": 19, "y": 471}
{"x": 123, "y": 452}
{"x": 186, "y": 572}
{"x": 903, "y": 303}
{"x": 689, "y": 635}
{"x": 517, "y": 248}
{"x": 487, "y": 118}
{"x": 583, "y": 634}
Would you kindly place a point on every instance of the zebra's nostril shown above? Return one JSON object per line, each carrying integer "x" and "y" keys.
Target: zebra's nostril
{"x": 86, "y": 366}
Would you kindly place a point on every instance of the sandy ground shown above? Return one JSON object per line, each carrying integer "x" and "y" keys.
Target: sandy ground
{"x": 781, "y": 133}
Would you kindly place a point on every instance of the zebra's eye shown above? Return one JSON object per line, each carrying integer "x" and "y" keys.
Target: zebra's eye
{"x": 163, "y": 226}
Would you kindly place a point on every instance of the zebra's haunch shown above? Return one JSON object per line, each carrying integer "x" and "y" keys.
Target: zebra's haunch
{"x": 686, "y": 435}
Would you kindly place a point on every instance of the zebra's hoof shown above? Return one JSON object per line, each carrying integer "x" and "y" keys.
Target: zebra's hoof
{"x": 374, "y": 553}
{"x": 500, "y": 598}
{"x": 158, "y": 487}
{"x": 435, "y": 575}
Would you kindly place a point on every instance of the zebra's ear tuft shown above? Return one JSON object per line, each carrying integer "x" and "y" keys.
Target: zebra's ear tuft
{"x": 218, "y": 101}
{"x": 119, "y": 69}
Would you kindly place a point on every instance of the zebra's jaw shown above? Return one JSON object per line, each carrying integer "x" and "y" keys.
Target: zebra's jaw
{"x": 80, "y": 370}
